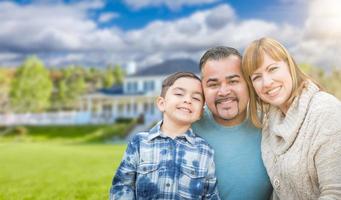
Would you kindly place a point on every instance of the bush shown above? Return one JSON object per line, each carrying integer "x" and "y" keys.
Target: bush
{"x": 124, "y": 120}
{"x": 70, "y": 133}
{"x": 20, "y": 131}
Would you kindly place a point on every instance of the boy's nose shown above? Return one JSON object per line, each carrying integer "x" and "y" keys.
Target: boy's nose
{"x": 187, "y": 99}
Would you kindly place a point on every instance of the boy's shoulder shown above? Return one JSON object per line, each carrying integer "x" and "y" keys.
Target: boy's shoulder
{"x": 139, "y": 136}
{"x": 201, "y": 142}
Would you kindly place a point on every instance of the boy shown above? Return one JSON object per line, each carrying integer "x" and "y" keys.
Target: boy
{"x": 169, "y": 161}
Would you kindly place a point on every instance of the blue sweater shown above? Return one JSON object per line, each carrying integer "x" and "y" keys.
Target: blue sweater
{"x": 239, "y": 166}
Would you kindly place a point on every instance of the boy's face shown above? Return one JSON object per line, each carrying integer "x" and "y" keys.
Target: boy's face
{"x": 183, "y": 102}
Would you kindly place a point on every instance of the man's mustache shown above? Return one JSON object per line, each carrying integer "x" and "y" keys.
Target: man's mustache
{"x": 222, "y": 99}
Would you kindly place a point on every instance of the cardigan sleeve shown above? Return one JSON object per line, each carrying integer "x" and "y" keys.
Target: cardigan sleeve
{"x": 328, "y": 167}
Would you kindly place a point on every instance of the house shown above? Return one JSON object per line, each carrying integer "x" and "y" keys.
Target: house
{"x": 136, "y": 97}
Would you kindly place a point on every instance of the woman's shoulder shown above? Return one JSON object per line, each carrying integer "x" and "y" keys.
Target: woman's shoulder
{"x": 325, "y": 110}
{"x": 323, "y": 101}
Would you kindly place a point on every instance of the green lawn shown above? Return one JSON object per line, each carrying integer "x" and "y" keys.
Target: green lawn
{"x": 56, "y": 171}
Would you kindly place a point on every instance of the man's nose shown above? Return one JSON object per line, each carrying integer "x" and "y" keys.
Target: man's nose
{"x": 224, "y": 90}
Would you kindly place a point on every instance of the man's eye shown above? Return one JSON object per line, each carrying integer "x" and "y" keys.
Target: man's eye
{"x": 234, "y": 81}
{"x": 212, "y": 85}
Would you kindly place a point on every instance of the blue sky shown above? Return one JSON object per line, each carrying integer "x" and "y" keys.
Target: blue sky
{"x": 99, "y": 32}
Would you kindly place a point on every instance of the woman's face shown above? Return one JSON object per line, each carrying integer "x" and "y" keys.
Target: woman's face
{"x": 273, "y": 83}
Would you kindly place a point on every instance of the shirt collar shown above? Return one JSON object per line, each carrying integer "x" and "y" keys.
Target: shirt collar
{"x": 156, "y": 132}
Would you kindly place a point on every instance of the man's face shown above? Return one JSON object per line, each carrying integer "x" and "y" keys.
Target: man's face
{"x": 225, "y": 90}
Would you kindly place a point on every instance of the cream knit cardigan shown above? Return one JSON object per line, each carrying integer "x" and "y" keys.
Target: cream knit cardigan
{"x": 302, "y": 150}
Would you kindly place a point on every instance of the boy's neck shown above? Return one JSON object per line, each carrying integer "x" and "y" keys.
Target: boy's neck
{"x": 173, "y": 129}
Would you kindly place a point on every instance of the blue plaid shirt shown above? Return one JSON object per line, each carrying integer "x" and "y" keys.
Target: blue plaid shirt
{"x": 156, "y": 166}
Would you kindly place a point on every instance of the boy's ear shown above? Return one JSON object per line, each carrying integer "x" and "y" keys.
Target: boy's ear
{"x": 160, "y": 103}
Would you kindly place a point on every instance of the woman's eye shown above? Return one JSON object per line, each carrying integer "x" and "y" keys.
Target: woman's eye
{"x": 273, "y": 69}
{"x": 254, "y": 78}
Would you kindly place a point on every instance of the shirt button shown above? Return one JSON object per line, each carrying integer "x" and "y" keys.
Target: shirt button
{"x": 276, "y": 184}
{"x": 167, "y": 184}
{"x": 275, "y": 159}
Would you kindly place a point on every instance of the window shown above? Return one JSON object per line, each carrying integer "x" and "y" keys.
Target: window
{"x": 148, "y": 86}
{"x": 132, "y": 87}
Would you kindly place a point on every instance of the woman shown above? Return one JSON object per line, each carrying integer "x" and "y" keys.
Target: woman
{"x": 301, "y": 140}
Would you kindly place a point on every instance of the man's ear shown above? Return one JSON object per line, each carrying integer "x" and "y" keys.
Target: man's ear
{"x": 202, "y": 111}
{"x": 160, "y": 103}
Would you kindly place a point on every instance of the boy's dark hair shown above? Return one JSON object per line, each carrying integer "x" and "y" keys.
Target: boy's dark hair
{"x": 170, "y": 80}
{"x": 217, "y": 53}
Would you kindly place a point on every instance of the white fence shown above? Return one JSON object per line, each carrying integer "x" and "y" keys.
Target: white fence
{"x": 72, "y": 117}
{"x": 63, "y": 118}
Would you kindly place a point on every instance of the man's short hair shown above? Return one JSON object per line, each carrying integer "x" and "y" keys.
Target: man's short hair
{"x": 217, "y": 53}
{"x": 170, "y": 80}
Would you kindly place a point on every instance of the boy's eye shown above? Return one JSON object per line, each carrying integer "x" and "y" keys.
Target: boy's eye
{"x": 197, "y": 98}
{"x": 178, "y": 94}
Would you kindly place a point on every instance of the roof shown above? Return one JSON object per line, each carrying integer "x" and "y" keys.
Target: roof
{"x": 169, "y": 67}
{"x": 115, "y": 89}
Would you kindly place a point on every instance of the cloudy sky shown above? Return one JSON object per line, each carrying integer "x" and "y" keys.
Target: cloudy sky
{"x": 99, "y": 32}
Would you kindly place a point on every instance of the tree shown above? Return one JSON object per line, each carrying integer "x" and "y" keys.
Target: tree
{"x": 331, "y": 82}
{"x": 31, "y": 88}
{"x": 108, "y": 77}
{"x": 4, "y": 90}
{"x": 118, "y": 74}
{"x": 69, "y": 88}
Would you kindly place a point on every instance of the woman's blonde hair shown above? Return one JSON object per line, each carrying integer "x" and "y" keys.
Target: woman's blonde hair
{"x": 253, "y": 58}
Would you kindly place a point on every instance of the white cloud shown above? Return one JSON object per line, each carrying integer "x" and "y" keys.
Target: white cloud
{"x": 320, "y": 43}
{"x": 324, "y": 20}
{"x": 190, "y": 36}
{"x": 64, "y": 34}
{"x": 58, "y": 29}
{"x": 106, "y": 17}
{"x": 171, "y": 4}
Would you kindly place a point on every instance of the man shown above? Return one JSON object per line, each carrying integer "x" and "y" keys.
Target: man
{"x": 225, "y": 126}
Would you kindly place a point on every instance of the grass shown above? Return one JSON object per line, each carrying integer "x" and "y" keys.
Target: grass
{"x": 56, "y": 171}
